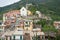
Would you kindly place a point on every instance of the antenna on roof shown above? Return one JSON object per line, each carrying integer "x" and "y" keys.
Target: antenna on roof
{"x": 26, "y": 4}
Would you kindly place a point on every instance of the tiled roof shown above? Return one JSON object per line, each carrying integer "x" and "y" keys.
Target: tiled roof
{"x": 12, "y": 13}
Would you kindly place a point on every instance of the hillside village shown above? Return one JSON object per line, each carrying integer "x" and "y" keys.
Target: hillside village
{"x": 20, "y": 25}
{"x": 30, "y": 20}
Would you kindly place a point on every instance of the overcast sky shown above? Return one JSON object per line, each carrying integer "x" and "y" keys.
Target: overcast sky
{"x": 7, "y": 2}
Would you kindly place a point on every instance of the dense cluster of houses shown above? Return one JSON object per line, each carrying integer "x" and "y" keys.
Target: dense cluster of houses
{"x": 19, "y": 25}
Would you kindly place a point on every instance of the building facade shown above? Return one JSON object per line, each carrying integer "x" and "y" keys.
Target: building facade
{"x": 19, "y": 27}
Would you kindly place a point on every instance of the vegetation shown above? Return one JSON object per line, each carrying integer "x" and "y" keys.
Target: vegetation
{"x": 49, "y": 29}
{"x": 47, "y": 7}
{"x": 50, "y": 8}
{"x": 58, "y": 37}
{"x": 33, "y": 9}
{"x": 47, "y": 25}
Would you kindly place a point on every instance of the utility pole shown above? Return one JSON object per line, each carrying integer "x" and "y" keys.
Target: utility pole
{"x": 26, "y": 4}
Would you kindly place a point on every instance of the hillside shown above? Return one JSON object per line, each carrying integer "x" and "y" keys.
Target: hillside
{"x": 47, "y": 7}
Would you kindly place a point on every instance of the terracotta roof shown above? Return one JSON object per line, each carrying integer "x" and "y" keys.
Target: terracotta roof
{"x": 12, "y": 13}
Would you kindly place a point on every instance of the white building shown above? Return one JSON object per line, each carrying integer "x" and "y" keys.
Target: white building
{"x": 23, "y": 11}
{"x": 13, "y": 35}
{"x": 39, "y": 13}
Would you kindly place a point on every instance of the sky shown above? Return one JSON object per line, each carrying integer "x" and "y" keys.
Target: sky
{"x": 7, "y": 2}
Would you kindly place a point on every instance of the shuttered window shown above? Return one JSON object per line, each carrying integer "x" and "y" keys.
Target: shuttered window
{"x": 17, "y": 37}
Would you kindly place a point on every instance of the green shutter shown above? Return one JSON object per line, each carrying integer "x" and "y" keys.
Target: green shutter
{"x": 10, "y": 37}
{"x": 6, "y": 38}
{"x": 14, "y": 37}
{"x": 20, "y": 37}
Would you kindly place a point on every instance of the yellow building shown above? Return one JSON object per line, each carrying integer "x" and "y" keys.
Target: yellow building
{"x": 25, "y": 24}
{"x": 28, "y": 25}
{"x": 29, "y": 13}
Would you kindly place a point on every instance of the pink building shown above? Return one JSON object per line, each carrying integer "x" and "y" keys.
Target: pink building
{"x": 10, "y": 17}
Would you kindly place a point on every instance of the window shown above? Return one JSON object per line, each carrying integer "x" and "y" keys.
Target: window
{"x": 19, "y": 30}
{"x": 13, "y": 37}
{"x": 17, "y": 37}
{"x": 0, "y": 23}
{"x": 27, "y": 24}
{"x": 1, "y": 30}
{"x": 23, "y": 10}
{"x": 21, "y": 38}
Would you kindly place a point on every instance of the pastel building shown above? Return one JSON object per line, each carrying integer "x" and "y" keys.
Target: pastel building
{"x": 13, "y": 35}
{"x": 25, "y": 24}
{"x": 20, "y": 34}
{"x": 10, "y": 17}
{"x": 22, "y": 27}
{"x": 2, "y": 27}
